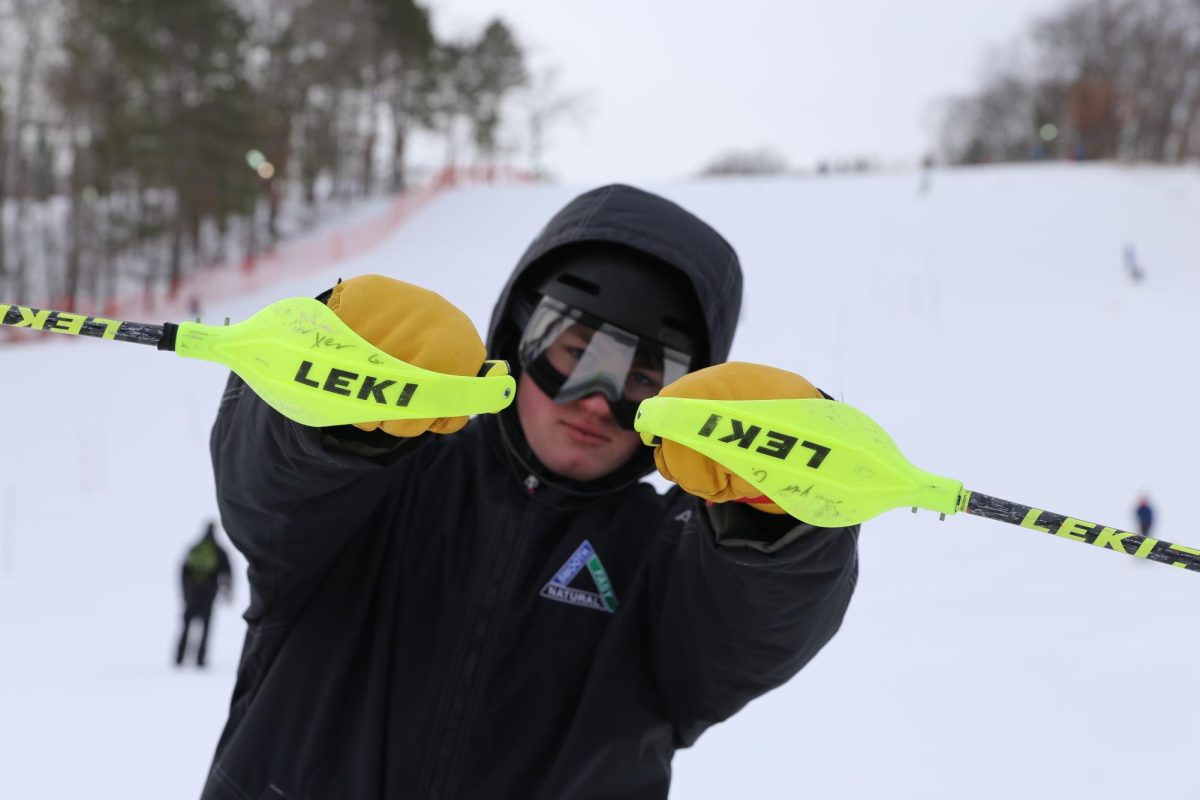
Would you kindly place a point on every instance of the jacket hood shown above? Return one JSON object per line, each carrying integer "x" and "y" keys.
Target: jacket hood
{"x": 627, "y": 216}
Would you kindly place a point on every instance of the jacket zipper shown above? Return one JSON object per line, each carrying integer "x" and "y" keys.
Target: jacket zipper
{"x": 441, "y": 781}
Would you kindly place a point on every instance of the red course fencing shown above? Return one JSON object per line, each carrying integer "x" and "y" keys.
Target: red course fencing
{"x": 218, "y": 281}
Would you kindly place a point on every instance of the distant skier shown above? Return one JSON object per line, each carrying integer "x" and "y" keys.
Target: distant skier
{"x": 926, "y": 176}
{"x": 1136, "y": 273}
{"x": 205, "y": 572}
{"x": 1145, "y": 515}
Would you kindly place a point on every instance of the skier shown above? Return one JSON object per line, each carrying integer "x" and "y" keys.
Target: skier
{"x": 1145, "y": 515}
{"x": 1132, "y": 265}
{"x": 503, "y": 609}
{"x": 205, "y": 571}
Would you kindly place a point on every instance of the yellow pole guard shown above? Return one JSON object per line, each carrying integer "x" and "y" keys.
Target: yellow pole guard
{"x": 825, "y": 463}
{"x": 300, "y": 357}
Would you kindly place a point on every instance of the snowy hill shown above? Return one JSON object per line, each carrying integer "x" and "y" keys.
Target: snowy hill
{"x": 989, "y": 325}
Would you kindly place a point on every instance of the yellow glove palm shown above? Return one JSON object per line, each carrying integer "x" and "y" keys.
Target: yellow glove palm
{"x": 414, "y": 325}
{"x": 700, "y": 475}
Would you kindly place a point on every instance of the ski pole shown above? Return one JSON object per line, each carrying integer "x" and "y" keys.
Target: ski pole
{"x": 829, "y": 464}
{"x": 1177, "y": 555}
{"x": 306, "y": 363}
{"x": 81, "y": 325}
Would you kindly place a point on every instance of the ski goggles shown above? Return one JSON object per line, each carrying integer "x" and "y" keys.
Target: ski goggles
{"x": 570, "y": 354}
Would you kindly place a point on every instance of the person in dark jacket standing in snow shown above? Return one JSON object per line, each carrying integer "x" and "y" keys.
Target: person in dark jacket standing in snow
{"x": 503, "y": 609}
{"x": 1145, "y": 515}
{"x": 204, "y": 573}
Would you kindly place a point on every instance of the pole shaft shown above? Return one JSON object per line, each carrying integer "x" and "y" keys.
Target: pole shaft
{"x": 80, "y": 324}
{"x": 1177, "y": 555}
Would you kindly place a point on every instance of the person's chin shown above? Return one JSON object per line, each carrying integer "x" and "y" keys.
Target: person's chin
{"x": 580, "y": 462}
{"x": 579, "y": 467}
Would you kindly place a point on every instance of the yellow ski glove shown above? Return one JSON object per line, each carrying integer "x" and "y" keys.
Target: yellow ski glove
{"x": 700, "y": 475}
{"x": 414, "y": 325}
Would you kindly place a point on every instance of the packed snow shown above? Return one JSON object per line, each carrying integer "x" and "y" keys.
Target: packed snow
{"x": 989, "y": 322}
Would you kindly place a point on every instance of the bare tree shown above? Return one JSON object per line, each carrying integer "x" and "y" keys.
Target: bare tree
{"x": 1111, "y": 79}
{"x": 1000, "y": 122}
{"x": 545, "y": 105}
{"x": 33, "y": 20}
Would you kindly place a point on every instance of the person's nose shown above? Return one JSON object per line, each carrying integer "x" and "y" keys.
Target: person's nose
{"x": 596, "y": 404}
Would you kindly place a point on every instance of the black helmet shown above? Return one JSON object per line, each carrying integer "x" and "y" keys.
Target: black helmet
{"x": 611, "y": 320}
{"x": 625, "y": 287}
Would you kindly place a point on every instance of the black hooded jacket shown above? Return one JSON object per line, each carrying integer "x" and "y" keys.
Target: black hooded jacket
{"x": 443, "y": 618}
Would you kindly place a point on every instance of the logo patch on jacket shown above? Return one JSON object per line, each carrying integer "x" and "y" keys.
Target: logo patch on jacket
{"x": 559, "y": 587}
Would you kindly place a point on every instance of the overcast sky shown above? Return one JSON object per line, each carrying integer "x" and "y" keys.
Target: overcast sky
{"x": 672, "y": 83}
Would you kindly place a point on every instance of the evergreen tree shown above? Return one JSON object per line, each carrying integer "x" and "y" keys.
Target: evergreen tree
{"x": 491, "y": 70}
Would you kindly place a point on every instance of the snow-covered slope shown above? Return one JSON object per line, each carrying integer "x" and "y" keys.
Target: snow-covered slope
{"x": 989, "y": 325}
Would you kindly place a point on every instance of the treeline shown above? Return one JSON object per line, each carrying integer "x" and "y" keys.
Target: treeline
{"x": 141, "y": 139}
{"x": 1107, "y": 79}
